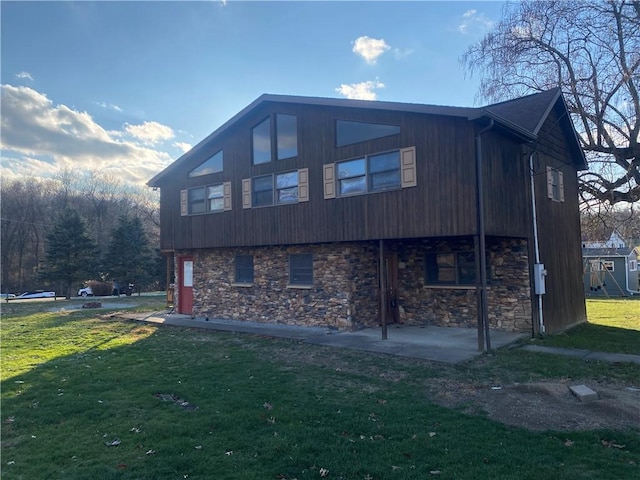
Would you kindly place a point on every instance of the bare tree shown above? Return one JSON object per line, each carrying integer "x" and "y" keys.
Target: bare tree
{"x": 591, "y": 50}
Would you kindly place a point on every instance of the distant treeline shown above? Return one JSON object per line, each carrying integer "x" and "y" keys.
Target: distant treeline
{"x": 31, "y": 207}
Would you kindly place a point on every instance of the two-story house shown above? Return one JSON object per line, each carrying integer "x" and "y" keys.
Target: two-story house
{"x": 348, "y": 213}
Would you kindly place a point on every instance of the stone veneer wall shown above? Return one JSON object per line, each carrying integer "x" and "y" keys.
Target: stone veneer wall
{"x": 508, "y": 294}
{"x": 344, "y": 294}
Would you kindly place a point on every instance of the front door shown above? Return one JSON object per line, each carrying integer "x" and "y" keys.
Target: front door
{"x": 391, "y": 282}
{"x": 185, "y": 295}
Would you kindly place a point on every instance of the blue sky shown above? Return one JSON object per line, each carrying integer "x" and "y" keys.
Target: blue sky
{"x": 125, "y": 88}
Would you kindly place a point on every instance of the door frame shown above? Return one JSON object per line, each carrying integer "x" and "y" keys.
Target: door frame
{"x": 185, "y": 291}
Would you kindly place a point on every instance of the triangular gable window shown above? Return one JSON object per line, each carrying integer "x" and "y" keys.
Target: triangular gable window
{"x": 212, "y": 165}
{"x": 356, "y": 132}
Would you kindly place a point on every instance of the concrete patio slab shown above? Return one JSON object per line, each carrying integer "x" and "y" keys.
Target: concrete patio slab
{"x": 440, "y": 344}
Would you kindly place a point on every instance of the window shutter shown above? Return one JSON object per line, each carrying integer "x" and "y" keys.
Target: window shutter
{"x": 303, "y": 185}
{"x": 550, "y": 182}
{"x": 408, "y": 167}
{"x": 561, "y": 185}
{"x": 246, "y": 193}
{"x": 329, "y": 180}
{"x": 226, "y": 186}
{"x": 184, "y": 205}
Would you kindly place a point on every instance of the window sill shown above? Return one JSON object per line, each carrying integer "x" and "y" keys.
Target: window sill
{"x": 242, "y": 285}
{"x": 300, "y": 287}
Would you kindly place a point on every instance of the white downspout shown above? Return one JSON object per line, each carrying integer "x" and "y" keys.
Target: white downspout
{"x": 536, "y": 248}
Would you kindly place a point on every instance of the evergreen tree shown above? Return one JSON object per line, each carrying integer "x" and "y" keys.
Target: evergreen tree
{"x": 129, "y": 258}
{"x": 70, "y": 252}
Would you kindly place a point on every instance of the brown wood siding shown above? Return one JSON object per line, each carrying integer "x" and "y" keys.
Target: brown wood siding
{"x": 506, "y": 186}
{"x": 559, "y": 232}
{"x": 442, "y": 204}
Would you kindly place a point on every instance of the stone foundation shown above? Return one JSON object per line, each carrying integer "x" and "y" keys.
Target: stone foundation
{"x": 344, "y": 294}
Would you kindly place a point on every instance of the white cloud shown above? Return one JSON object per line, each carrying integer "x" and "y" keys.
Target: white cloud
{"x": 399, "y": 54}
{"x": 370, "y": 48}
{"x": 360, "y": 91}
{"x": 472, "y": 20}
{"x": 184, "y": 146}
{"x": 150, "y": 132}
{"x": 24, "y": 76}
{"x": 108, "y": 106}
{"x": 39, "y": 137}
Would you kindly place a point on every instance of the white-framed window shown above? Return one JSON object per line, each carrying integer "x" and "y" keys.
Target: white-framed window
{"x": 206, "y": 199}
{"x": 276, "y": 189}
{"x": 373, "y": 173}
{"x": 555, "y": 184}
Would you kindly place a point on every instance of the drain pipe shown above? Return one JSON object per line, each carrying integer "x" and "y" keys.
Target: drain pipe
{"x": 483, "y": 309}
{"x": 536, "y": 247}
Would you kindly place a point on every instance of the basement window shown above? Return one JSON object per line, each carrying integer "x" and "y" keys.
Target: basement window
{"x": 300, "y": 269}
{"x": 451, "y": 268}
{"x": 244, "y": 268}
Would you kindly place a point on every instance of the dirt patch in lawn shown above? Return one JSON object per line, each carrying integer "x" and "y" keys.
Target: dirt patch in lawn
{"x": 539, "y": 405}
{"x": 544, "y": 405}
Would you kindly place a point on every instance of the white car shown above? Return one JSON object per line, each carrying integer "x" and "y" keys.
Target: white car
{"x": 85, "y": 292}
{"x": 37, "y": 294}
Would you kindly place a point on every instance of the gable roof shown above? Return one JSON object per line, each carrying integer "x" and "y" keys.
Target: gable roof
{"x": 607, "y": 252}
{"x": 522, "y": 116}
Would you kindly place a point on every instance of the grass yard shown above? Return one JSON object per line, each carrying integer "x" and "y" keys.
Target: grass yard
{"x": 613, "y": 325}
{"x": 85, "y": 396}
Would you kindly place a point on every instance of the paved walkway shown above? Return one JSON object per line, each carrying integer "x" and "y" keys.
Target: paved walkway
{"x": 440, "y": 344}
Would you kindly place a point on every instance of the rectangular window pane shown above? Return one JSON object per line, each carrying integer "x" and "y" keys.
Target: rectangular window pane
{"x": 301, "y": 269}
{"x": 196, "y": 200}
{"x": 288, "y": 195}
{"x": 244, "y": 268}
{"x": 385, "y": 162}
{"x": 261, "y": 142}
{"x": 216, "y": 204}
{"x": 466, "y": 268}
{"x": 353, "y": 185}
{"x": 352, "y": 168}
{"x": 287, "y": 141}
{"x": 284, "y": 180}
{"x": 262, "y": 191}
{"x": 215, "y": 191}
{"x": 386, "y": 180}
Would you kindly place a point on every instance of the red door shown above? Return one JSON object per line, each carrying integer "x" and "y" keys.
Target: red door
{"x": 185, "y": 277}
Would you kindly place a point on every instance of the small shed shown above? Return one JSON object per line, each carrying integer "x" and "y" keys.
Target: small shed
{"x": 610, "y": 271}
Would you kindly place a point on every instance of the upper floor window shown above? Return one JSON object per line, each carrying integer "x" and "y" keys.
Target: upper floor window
{"x": 276, "y": 189}
{"x": 287, "y": 136}
{"x": 348, "y": 132}
{"x": 369, "y": 174}
{"x": 207, "y": 199}
{"x": 285, "y": 141}
{"x": 555, "y": 184}
{"x": 212, "y": 165}
{"x": 261, "y": 142}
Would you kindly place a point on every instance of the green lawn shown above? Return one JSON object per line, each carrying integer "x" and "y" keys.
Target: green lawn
{"x": 613, "y": 325}
{"x": 85, "y": 396}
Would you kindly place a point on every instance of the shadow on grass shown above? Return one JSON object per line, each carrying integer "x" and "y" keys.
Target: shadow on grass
{"x": 253, "y": 417}
{"x": 597, "y": 338}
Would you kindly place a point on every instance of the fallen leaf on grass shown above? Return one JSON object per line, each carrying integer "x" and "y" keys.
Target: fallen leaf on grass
{"x": 324, "y": 472}
{"x": 267, "y": 405}
{"x": 113, "y": 443}
{"x": 394, "y": 468}
{"x": 198, "y": 447}
{"x": 122, "y": 466}
{"x": 150, "y": 452}
{"x": 432, "y": 434}
{"x": 568, "y": 443}
{"x": 229, "y": 453}
{"x": 135, "y": 430}
{"x": 611, "y": 444}
{"x": 435, "y": 472}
